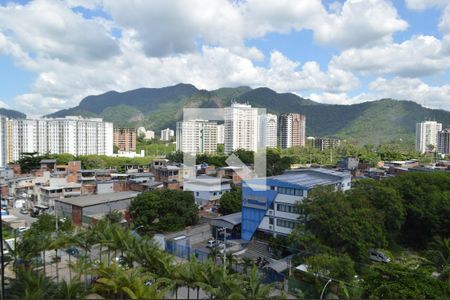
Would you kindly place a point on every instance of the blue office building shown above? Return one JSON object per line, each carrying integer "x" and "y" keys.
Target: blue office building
{"x": 270, "y": 208}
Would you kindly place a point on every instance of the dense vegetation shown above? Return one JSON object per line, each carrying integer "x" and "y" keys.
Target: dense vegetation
{"x": 405, "y": 212}
{"x": 163, "y": 210}
{"x": 115, "y": 263}
{"x": 155, "y": 147}
{"x": 369, "y": 122}
{"x": 31, "y": 161}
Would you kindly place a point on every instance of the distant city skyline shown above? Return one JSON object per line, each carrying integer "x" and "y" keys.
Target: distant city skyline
{"x": 339, "y": 52}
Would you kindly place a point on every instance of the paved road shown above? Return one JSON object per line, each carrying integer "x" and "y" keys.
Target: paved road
{"x": 28, "y": 219}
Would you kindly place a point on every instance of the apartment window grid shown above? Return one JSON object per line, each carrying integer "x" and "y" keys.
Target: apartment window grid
{"x": 286, "y": 223}
{"x": 287, "y": 208}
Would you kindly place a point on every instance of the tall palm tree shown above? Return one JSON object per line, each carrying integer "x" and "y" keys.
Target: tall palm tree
{"x": 255, "y": 289}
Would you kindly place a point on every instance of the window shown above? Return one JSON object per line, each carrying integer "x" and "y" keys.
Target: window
{"x": 290, "y": 191}
{"x": 287, "y": 208}
{"x": 197, "y": 193}
{"x": 285, "y": 223}
{"x": 271, "y": 221}
{"x": 272, "y": 187}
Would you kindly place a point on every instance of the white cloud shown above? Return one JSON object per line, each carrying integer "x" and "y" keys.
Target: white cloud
{"x": 411, "y": 89}
{"x": 359, "y": 23}
{"x": 3, "y": 104}
{"x": 422, "y": 55}
{"x": 49, "y": 28}
{"x": 424, "y": 4}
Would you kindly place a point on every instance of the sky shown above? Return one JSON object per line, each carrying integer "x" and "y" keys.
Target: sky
{"x": 54, "y": 53}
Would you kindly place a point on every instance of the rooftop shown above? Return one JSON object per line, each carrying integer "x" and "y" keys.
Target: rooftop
{"x": 92, "y": 200}
{"x": 234, "y": 219}
{"x": 311, "y": 177}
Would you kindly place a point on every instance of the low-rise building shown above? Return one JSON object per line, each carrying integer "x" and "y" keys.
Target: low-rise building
{"x": 206, "y": 188}
{"x": 271, "y": 210}
{"x": 79, "y": 209}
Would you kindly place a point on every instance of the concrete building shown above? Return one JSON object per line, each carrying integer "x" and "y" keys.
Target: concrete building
{"x": 82, "y": 209}
{"x": 3, "y": 141}
{"x": 292, "y": 130}
{"x": 241, "y": 128}
{"x": 220, "y": 134}
{"x": 149, "y": 135}
{"x": 426, "y": 135}
{"x": 272, "y": 211}
{"x": 207, "y": 189}
{"x": 326, "y": 143}
{"x": 125, "y": 139}
{"x": 268, "y": 131}
{"x": 444, "y": 141}
{"x": 167, "y": 134}
{"x": 74, "y": 135}
{"x": 196, "y": 136}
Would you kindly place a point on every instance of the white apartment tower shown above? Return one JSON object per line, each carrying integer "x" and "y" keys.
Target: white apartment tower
{"x": 3, "y": 141}
{"x": 267, "y": 133}
{"x": 196, "y": 136}
{"x": 220, "y": 134}
{"x": 241, "y": 128}
{"x": 74, "y": 135}
{"x": 167, "y": 134}
{"x": 426, "y": 134}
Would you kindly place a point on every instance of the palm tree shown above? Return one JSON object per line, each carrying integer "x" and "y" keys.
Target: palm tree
{"x": 71, "y": 289}
{"x": 62, "y": 240}
{"x": 114, "y": 280}
{"x": 254, "y": 287}
{"x": 439, "y": 255}
{"x": 246, "y": 263}
{"x": 214, "y": 252}
{"x": 31, "y": 285}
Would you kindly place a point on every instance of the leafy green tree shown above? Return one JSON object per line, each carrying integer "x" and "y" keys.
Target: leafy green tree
{"x": 230, "y": 202}
{"x": 163, "y": 210}
{"x": 426, "y": 198}
{"x": 343, "y": 221}
{"x": 385, "y": 199}
{"x": 394, "y": 281}
{"x": 340, "y": 267}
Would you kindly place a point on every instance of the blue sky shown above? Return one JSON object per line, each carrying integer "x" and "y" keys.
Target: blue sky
{"x": 53, "y": 53}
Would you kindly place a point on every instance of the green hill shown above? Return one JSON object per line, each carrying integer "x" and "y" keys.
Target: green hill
{"x": 13, "y": 114}
{"x": 373, "y": 122}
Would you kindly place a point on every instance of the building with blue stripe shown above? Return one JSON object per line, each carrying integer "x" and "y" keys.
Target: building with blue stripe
{"x": 268, "y": 204}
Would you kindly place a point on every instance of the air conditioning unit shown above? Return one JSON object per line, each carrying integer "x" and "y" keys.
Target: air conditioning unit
{"x": 270, "y": 212}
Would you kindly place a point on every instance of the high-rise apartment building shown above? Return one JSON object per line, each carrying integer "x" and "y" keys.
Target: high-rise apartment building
{"x": 444, "y": 141}
{"x": 326, "y": 143}
{"x": 220, "y": 134}
{"x": 426, "y": 135}
{"x": 292, "y": 130}
{"x": 268, "y": 128}
{"x": 74, "y": 135}
{"x": 196, "y": 136}
{"x": 3, "y": 141}
{"x": 167, "y": 134}
{"x": 241, "y": 128}
{"x": 125, "y": 139}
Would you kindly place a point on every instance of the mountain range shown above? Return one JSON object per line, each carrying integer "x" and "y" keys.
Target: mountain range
{"x": 373, "y": 122}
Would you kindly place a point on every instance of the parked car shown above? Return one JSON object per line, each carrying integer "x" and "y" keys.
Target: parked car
{"x": 24, "y": 211}
{"x": 211, "y": 243}
{"x": 73, "y": 251}
{"x": 378, "y": 256}
{"x": 22, "y": 229}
